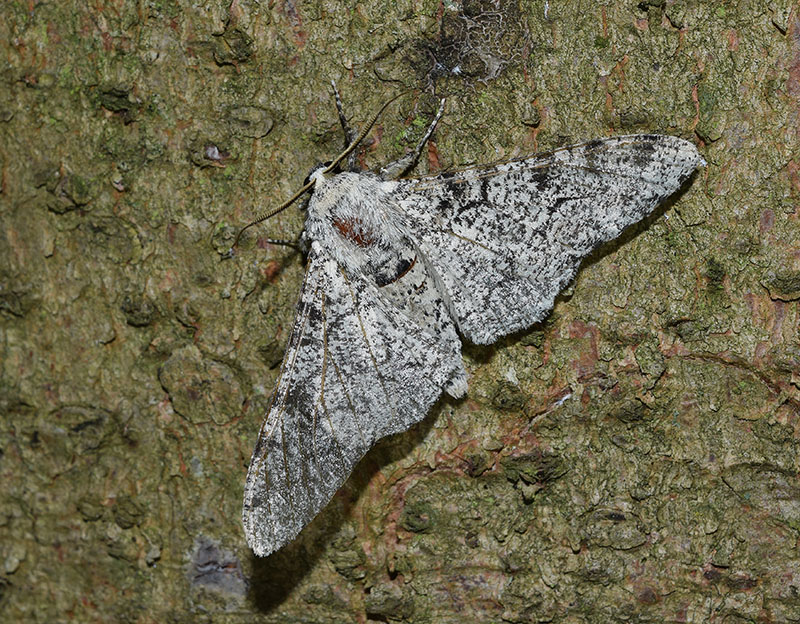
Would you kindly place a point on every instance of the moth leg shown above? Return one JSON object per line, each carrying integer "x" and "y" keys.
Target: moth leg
{"x": 284, "y": 241}
{"x": 402, "y": 165}
{"x": 301, "y": 243}
{"x": 349, "y": 133}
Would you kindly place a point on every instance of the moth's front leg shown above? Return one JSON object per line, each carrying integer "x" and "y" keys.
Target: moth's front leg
{"x": 402, "y": 165}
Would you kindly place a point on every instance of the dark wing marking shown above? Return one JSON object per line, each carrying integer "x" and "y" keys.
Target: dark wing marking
{"x": 505, "y": 240}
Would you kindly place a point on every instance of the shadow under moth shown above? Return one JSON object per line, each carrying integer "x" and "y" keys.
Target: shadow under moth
{"x": 400, "y": 271}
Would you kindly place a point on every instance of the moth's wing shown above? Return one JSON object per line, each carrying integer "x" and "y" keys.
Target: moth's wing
{"x": 504, "y": 240}
{"x": 356, "y": 369}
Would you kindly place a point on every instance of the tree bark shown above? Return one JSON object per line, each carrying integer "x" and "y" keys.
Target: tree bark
{"x": 633, "y": 458}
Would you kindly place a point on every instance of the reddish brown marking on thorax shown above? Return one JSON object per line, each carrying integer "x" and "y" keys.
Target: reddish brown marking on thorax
{"x": 354, "y": 232}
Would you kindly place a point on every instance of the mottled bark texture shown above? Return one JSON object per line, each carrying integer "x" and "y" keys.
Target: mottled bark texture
{"x": 634, "y": 458}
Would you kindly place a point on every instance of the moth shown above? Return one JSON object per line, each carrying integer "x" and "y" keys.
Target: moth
{"x": 400, "y": 271}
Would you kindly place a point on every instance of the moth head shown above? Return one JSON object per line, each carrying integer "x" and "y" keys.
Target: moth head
{"x": 317, "y": 172}
{"x": 317, "y": 175}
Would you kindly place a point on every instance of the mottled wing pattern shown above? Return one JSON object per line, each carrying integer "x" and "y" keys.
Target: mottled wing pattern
{"x": 346, "y": 381}
{"x": 504, "y": 240}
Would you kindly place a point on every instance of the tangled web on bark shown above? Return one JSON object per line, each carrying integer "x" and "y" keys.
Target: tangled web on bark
{"x": 477, "y": 39}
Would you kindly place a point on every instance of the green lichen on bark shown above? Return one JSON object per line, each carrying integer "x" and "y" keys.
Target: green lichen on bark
{"x": 633, "y": 458}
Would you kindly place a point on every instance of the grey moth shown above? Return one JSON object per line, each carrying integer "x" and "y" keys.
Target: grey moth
{"x": 400, "y": 271}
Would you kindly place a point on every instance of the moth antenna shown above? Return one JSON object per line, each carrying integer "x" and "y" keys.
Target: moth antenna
{"x": 331, "y": 167}
{"x": 272, "y": 213}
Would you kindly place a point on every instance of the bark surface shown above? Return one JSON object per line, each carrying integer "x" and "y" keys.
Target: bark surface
{"x": 633, "y": 458}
